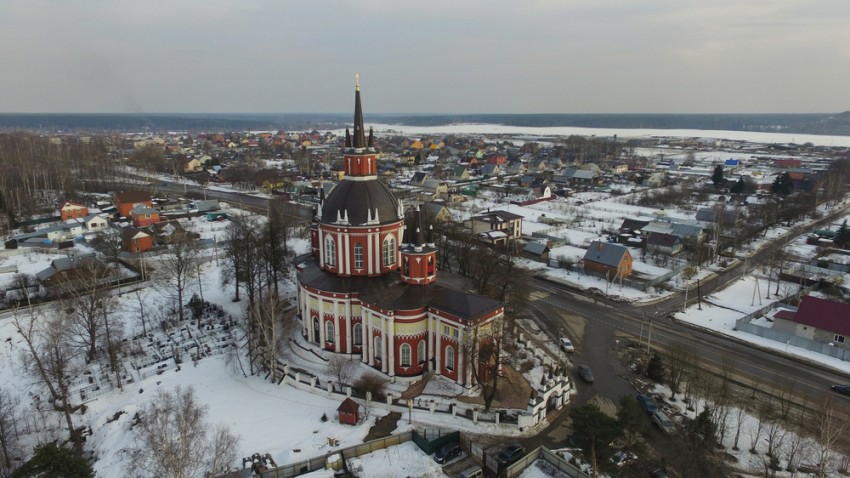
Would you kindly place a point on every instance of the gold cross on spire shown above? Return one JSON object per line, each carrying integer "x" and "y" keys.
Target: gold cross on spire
{"x": 357, "y": 81}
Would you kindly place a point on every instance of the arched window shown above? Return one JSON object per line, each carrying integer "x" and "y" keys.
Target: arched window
{"x": 358, "y": 256}
{"x": 389, "y": 251}
{"x": 330, "y": 251}
{"x": 420, "y": 352}
{"x": 450, "y": 358}
{"x": 329, "y": 331}
{"x": 378, "y": 348}
{"x": 405, "y": 355}
{"x": 358, "y": 335}
{"x": 316, "y": 329}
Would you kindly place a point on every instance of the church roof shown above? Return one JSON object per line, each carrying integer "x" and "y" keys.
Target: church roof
{"x": 391, "y": 293}
{"x": 358, "y": 200}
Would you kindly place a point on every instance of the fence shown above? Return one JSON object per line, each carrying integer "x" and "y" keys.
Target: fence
{"x": 550, "y": 464}
{"x": 790, "y": 339}
{"x": 319, "y": 462}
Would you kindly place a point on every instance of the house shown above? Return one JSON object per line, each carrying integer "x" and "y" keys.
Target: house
{"x": 580, "y": 176}
{"x": 419, "y": 178}
{"x": 142, "y": 216}
{"x": 666, "y": 244}
{"x": 135, "y": 240}
{"x": 491, "y": 169}
{"x": 538, "y": 250}
{"x": 460, "y": 173}
{"x": 632, "y": 226}
{"x": 72, "y": 210}
{"x": 436, "y": 212}
{"x": 125, "y": 201}
{"x": 349, "y": 412}
{"x": 608, "y": 260}
{"x": 496, "y": 226}
{"x": 94, "y": 222}
{"x": 63, "y": 269}
{"x": 817, "y": 319}
{"x": 207, "y": 205}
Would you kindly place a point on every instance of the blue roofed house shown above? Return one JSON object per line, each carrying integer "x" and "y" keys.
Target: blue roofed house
{"x": 608, "y": 260}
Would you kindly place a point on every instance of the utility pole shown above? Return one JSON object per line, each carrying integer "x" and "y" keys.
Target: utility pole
{"x": 649, "y": 339}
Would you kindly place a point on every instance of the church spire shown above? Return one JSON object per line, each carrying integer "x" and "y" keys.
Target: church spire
{"x": 359, "y": 133}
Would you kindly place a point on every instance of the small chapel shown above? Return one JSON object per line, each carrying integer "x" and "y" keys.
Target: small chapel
{"x": 370, "y": 287}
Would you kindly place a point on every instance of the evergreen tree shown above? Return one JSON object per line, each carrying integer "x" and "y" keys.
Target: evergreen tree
{"x": 54, "y": 461}
{"x": 739, "y": 186}
{"x": 782, "y": 184}
{"x": 655, "y": 369}
{"x": 842, "y": 237}
{"x": 717, "y": 178}
{"x": 593, "y": 430}
{"x": 631, "y": 419}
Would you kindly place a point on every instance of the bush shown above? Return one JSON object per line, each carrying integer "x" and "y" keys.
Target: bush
{"x": 370, "y": 383}
{"x": 655, "y": 369}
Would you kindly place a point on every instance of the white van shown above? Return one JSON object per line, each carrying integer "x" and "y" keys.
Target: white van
{"x": 474, "y": 472}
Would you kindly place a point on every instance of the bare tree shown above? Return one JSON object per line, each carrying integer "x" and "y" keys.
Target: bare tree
{"x": 9, "y": 446}
{"x": 269, "y": 316}
{"x": 342, "y": 368}
{"x": 174, "y": 439}
{"x": 180, "y": 266}
{"x": 87, "y": 301}
{"x": 829, "y": 427}
{"x": 482, "y": 348}
{"x": 678, "y": 359}
{"x": 50, "y": 359}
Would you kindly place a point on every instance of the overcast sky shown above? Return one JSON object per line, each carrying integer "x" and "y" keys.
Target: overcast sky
{"x": 434, "y": 56}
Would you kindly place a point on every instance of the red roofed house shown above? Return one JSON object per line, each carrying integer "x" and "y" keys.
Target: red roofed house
{"x": 818, "y": 319}
{"x": 72, "y": 210}
{"x": 349, "y": 412}
{"x": 127, "y": 200}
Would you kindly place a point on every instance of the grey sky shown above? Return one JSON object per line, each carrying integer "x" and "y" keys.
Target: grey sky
{"x": 520, "y": 56}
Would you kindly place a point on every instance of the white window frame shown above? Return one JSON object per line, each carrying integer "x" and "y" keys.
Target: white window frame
{"x": 389, "y": 250}
{"x": 357, "y": 331}
{"x": 329, "y": 331}
{"x": 450, "y": 358}
{"x": 330, "y": 251}
{"x": 405, "y": 353}
{"x": 377, "y": 348}
{"x": 838, "y": 339}
{"x": 358, "y": 256}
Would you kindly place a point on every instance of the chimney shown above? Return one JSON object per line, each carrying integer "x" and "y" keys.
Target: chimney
{"x": 599, "y": 246}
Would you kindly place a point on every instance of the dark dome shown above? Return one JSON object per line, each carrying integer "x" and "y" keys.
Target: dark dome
{"x": 358, "y": 197}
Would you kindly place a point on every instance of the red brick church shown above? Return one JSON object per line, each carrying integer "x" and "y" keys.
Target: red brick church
{"x": 370, "y": 289}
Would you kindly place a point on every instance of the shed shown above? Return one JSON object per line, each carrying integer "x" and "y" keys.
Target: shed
{"x": 349, "y": 412}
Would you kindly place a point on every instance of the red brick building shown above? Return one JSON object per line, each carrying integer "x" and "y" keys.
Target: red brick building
{"x": 370, "y": 289}
{"x": 72, "y": 210}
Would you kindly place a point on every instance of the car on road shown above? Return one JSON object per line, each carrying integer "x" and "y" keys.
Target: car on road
{"x": 623, "y": 458}
{"x": 510, "y": 454}
{"x": 842, "y": 389}
{"x": 585, "y": 373}
{"x": 567, "y": 345}
{"x": 664, "y": 423}
{"x": 448, "y": 452}
{"x": 647, "y": 403}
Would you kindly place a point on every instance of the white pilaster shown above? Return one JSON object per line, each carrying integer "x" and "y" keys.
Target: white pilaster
{"x": 321, "y": 321}
{"x": 391, "y": 345}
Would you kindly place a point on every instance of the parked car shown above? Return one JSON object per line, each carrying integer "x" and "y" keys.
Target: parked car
{"x": 510, "y": 454}
{"x": 647, "y": 403}
{"x": 474, "y": 472}
{"x": 448, "y": 452}
{"x": 842, "y": 389}
{"x": 623, "y": 458}
{"x": 567, "y": 345}
{"x": 585, "y": 373}
{"x": 664, "y": 423}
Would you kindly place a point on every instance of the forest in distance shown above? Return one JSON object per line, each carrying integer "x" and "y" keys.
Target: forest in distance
{"x": 821, "y": 123}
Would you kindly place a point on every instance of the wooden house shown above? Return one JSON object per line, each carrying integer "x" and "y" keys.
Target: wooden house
{"x": 608, "y": 260}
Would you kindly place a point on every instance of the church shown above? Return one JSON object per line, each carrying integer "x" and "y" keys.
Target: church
{"x": 370, "y": 288}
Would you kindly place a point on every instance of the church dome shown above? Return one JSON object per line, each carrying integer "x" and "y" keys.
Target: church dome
{"x": 358, "y": 201}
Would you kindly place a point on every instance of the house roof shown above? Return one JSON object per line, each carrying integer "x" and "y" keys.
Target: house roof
{"x": 497, "y": 216}
{"x": 824, "y": 314}
{"x": 633, "y": 224}
{"x": 132, "y": 197}
{"x": 660, "y": 239}
{"x": 537, "y": 248}
{"x": 605, "y": 253}
{"x": 348, "y": 406}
